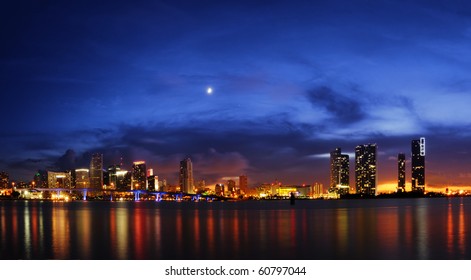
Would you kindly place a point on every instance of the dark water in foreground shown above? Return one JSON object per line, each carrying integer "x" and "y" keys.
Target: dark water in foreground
{"x": 345, "y": 229}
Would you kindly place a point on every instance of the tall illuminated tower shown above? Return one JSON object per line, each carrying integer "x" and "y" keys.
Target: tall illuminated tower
{"x": 339, "y": 172}
{"x": 401, "y": 172}
{"x": 418, "y": 165}
{"x": 243, "y": 183}
{"x": 96, "y": 171}
{"x": 365, "y": 169}
{"x": 186, "y": 176}
{"x": 139, "y": 176}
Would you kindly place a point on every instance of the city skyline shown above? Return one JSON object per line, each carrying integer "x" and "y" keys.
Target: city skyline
{"x": 240, "y": 87}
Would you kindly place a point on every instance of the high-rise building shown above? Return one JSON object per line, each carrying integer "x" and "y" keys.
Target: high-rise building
{"x": 243, "y": 183}
{"x": 4, "y": 180}
{"x": 96, "y": 171}
{"x": 123, "y": 180}
{"x": 139, "y": 178}
{"x": 365, "y": 169}
{"x": 231, "y": 187}
{"x": 186, "y": 176}
{"x": 418, "y": 165}
{"x": 401, "y": 172}
{"x": 40, "y": 179}
{"x": 219, "y": 189}
{"x": 59, "y": 180}
{"x": 153, "y": 182}
{"x": 163, "y": 185}
{"x": 82, "y": 178}
{"x": 339, "y": 172}
{"x": 113, "y": 175}
{"x": 317, "y": 190}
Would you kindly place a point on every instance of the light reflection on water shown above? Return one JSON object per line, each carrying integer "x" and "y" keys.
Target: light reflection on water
{"x": 347, "y": 229}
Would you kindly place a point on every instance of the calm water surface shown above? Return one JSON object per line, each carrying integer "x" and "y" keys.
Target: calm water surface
{"x": 344, "y": 229}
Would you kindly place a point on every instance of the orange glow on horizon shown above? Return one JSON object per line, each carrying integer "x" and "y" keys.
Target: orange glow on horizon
{"x": 391, "y": 186}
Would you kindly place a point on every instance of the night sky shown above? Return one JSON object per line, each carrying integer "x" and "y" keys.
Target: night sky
{"x": 291, "y": 81}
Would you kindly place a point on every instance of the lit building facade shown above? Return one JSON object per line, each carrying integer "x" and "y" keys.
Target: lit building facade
{"x": 365, "y": 169}
{"x": 123, "y": 180}
{"x": 82, "y": 178}
{"x": 339, "y": 172}
{"x": 139, "y": 178}
{"x": 219, "y": 189}
{"x": 231, "y": 187}
{"x": 96, "y": 171}
{"x": 59, "y": 180}
{"x": 243, "y": 183}
{"x": 401, "y": 172}
{"x": 317, "y": 190}
{"x": 418, "y": 165}
{"x": 4, "y": 180}
{"x": 153, "y": 183}
{"x": 186, "y": 176}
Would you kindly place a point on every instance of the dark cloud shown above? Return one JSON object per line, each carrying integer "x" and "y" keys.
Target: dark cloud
{"x": 343, "y": 108}
{"x": 67, "y": 161}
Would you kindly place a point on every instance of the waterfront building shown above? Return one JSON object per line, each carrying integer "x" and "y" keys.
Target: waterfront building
{"x": 82, "y": 178}
{"x": 401, "y": 170}
{"x": 365, "y": 169}
{"x": 96, "y": 171}
{"x": 4, "y": 180}
{"x": 418, "y": 165}
{"x": 231, "y": 187}
{"x": 153, "y": 182}
{"x": 339, "y": 172}
{"x": 40, "y": 179}
{"x": 139, "y": 178}
{"x": 123, "y": 180}
{"x": 243, "y": 183}
{"x": 113, "y": 176}
{"x": 186, "y": 176}
{"x": 59, "y": 180}
{"x": 317, "y": 190}
{"x": 163, "y": 186}
{"x": 219, "y": 189}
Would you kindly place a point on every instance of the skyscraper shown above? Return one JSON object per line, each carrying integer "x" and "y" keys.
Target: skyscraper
{"x": 139, "y": 176}
{"x": 96, "y": 171}
{"x": 186, "y": 176}
{"x": 4, "y": 180}
{"x": 339, "y": 172}
{"x": 401, "y": 172}
{"x": 418, "y": 165}
{"x": 243, "y": 183}
{"x": 82, "y": 178}
{"x": 365, "y": 169}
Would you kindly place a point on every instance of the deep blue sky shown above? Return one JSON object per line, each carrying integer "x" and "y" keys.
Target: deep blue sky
{"x": 291, "y": 81}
